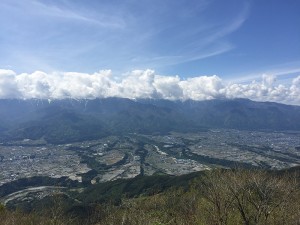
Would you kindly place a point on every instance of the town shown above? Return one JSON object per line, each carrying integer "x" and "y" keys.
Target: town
{"x": 116, "y": 157}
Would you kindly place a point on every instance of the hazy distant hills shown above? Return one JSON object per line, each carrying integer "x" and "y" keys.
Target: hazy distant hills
{"x": 63, "y": 121}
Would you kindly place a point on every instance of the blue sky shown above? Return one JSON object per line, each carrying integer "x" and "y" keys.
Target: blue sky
{"x": 235, "y": 39}
{"x": 169, "y": 49}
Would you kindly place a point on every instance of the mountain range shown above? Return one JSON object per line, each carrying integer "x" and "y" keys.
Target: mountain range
{"x": 68, "y": 120}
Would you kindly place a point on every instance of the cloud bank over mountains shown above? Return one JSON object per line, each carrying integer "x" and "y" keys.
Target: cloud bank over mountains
{"x": 141, "y": 84}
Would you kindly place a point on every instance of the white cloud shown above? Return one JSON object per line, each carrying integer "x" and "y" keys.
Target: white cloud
{"x": 8, "y": 86}
{"x": 141, "y": 84}
{"x": 202, "y": 87}
{"x": 294, "y": 91}
{"x": 268, "y": 80}
{"x": 168, "y": 87}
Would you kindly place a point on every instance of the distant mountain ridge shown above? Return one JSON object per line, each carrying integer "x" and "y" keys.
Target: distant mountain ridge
{"x": 61, "y": 121}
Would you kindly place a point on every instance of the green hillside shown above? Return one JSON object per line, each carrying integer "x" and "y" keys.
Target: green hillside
{"x": 226, "y": 197}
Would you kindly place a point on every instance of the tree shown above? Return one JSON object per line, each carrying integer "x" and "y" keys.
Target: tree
{"x": 257, "y": 196}
{"x": 215, "y": 188}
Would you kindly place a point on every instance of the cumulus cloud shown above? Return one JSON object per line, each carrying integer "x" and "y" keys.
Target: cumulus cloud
{"x": 141, "y": 84}
{"x": 8, "y": 86}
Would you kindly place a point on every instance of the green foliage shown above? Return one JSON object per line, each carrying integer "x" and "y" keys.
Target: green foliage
{"x": 217, "y": 197}
{"x": 23, "y": 183}
{"x": 140, "y": 185}
{"x": 2, "y": 208}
